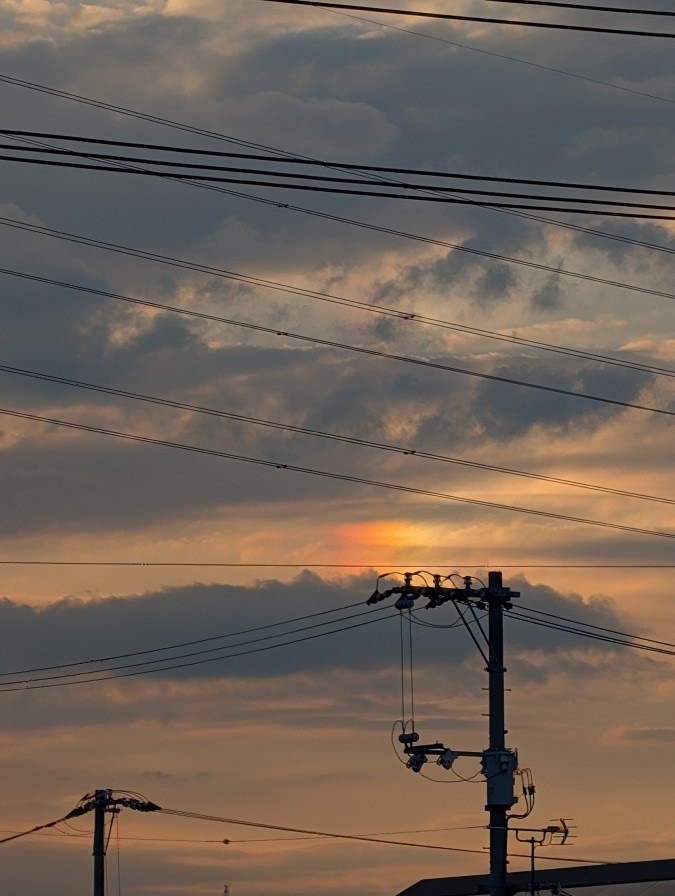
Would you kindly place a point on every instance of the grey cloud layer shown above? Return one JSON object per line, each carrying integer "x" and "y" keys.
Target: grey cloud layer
{"x": 71, "y": 630}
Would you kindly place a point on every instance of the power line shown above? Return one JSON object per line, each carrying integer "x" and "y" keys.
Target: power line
{"x": 283, "y": 828}
{"x": 340, "y": 477}
{"x": 362, "y": 350}
{"x": 505, "y": 56}
{"x": 558, "y": 26}
{"x": 590, "y": 625}
{"x": 247, "y": 631}
{"x": 52, "y": 682}
{"x": 296, "y": 160}
{"x": 331, "y": 298}
{"x": 194, "y": 179}
{"x": 182, "y": 813}
{"x": 585, "y": 6}
{"x": 376, "y": 228}
{"x": 181, "y": 656}
{"x": 580, "y": 626}
{"x": 121, "y": 110}
{"x": 329, "y": 436}
{"x": 373, "y": 566}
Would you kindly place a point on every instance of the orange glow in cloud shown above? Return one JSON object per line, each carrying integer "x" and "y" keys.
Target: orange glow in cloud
{"x": 385, "y": 533}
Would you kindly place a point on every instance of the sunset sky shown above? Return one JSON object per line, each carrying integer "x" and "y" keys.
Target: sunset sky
{"x": 111, "y": 546}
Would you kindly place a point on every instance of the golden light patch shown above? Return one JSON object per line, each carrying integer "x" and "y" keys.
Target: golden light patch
{"x": 386, "y": 533}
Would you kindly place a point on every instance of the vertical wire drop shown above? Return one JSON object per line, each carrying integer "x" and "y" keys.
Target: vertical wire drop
{"x": 403, "y": 718}
{"x": 412, "y": 680}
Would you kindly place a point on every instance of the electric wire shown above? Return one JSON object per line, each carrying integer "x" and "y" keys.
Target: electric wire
{"x": 39, "y": 827}
{"x": 356, "y": 304}
{"x": 558, "y": 26}
{"x": 363, "y": 350}
{"x": 327, "y": 343}
{"x": 195, "y": 179}
{"x": 313, "y": 212}
{"x": 309, "y": 565}
{"x": 174, "y": 262}
{"x": 589, "y": 625}
{"x": 59, "y": 684}
{"x": 283, "y": 828}
{"x": 301, "y": 160}
{"x": 586, "y": 6}
{"x": 330, "y": 344}
{"x": 330, "y": 436}
{"x": 237, "y": 141}
{"x": 326, "y": 474}
{"x": 210, "y": 650}
{"x": 309, "y": 160}
{"x": 229, "y": 841}
{"x": 528, "y": 62}
{"x": 594, "y": 636}
{"x": 181, "y": 644}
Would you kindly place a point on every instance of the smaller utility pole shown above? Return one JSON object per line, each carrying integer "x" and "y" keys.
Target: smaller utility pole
{"x": 101, "y": 802}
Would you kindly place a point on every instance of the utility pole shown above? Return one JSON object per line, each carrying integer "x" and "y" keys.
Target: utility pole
{"x": 101, "y": 802}
{"x": 497, "y": 805}
{"x": 498, "y": 763}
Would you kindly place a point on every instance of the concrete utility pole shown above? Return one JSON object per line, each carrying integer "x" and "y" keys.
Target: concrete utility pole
{"x": 101, "y": 802}
{"x": 499, "y": 799}
{"x": 498, "y": 762}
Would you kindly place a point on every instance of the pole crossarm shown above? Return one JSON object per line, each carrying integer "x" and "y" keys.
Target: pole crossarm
{"x": 104, "y": 799}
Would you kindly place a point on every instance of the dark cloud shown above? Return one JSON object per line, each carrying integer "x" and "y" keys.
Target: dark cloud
{"x": 71, "y": 630}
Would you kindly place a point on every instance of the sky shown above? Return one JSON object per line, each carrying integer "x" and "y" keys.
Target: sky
{"x": 261, "y": 543}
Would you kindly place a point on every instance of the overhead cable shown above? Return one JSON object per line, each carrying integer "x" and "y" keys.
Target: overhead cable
{"x": 546, "y": 68}
{"x": 590, "y": 625}
{"x": 224, "y": 564}
{"x": 57, "y": 681}
{"x": 166, "y": 122}
{"x": 557, "y": 26}
{"x": 381, "y": 310}
{"x": 322, "y": 434}
{"x": 181, "y": 656}
{"x": 362, "y": 350}
{"x": 295, "y": 160}
{"x": 180, "y": 644}
{"x": 283, "y": 828}
{"x": 376, "y": 228}
{"x": 556, "y": 4}
{"x": 416, "y": 195}
{"x": 340, "y": 477}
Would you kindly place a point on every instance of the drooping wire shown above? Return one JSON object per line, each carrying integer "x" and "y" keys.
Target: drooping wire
{"x": 180, "y": 644}
{"x": 237, "y": 821}
{"x": 47, "y": 683}
{"x": 412, "y": 670}
{"x": 403, "y": 711}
